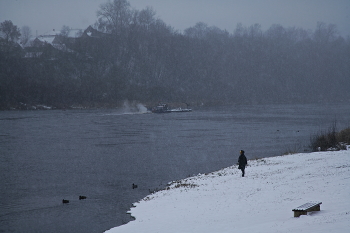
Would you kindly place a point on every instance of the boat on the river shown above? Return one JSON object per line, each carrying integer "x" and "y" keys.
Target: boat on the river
{"x": 164, "y": 108}
{"x": 161, "y": 108}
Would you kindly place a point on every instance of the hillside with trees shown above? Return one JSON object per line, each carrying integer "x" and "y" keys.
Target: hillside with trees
{"x": 131, "y": 54}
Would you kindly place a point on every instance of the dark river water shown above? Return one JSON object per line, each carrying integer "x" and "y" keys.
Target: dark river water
{"x": 47, "y": 156}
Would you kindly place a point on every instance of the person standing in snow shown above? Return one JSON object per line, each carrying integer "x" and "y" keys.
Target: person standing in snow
{"x": 242, "y": 162}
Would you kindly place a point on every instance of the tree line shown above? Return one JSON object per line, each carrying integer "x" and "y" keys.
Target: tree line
{"x": 141, "y": 58}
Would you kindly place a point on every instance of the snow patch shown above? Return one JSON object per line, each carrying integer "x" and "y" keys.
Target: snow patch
{"x": 223, "y": 201}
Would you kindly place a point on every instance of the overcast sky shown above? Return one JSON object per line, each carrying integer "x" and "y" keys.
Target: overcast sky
{"x": 45, "y": 15}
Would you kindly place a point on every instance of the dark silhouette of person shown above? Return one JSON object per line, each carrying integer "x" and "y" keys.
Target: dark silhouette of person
{"x": 242, "y": 162}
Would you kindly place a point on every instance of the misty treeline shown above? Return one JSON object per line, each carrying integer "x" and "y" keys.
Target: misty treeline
{"x": 139, "y": 57}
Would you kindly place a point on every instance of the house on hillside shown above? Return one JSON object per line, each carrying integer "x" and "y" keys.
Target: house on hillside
{"x": 47, "y": 46}
{"x": 42, "y": 50}
{"x": 70, "y": 38}
{"x": 53, "y": 43}
{"x": 93, "y": 33}
{"x": 91, "y": 43}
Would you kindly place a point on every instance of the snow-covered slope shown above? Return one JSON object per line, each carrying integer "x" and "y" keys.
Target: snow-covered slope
{"x": 223, "y": 201}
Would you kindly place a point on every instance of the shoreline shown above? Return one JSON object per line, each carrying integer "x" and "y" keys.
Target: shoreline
{"x": 273, "y": 186}
{"x": 149, "y": 104}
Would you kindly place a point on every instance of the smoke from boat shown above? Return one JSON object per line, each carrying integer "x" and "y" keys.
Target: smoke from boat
{"x": 133, "y": 108}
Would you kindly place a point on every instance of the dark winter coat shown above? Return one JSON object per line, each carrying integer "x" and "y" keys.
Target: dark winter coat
{"x": 242, "y": 161}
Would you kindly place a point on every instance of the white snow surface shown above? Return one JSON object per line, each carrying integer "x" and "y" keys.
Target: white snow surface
{"x": 223, "y": 201}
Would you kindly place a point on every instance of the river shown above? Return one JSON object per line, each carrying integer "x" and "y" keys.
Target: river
{"x": 47, "y": 156}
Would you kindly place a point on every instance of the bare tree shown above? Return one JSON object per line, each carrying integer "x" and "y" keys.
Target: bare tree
{"x": 199, "y": 31}
{"x": 65, "y": 31}
{"x": 240, "y": 31}
{"x": 115, "y": 16}
{"x": 146, "y": 17}
{"x": 325, "y": 33}
{"x": 255, "y": 31}
{"x": 26, "y": 34}
{"x": 11, "y": 32}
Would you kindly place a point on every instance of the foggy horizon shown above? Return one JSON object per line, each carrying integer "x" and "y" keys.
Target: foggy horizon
{"x": 43, "y": 16}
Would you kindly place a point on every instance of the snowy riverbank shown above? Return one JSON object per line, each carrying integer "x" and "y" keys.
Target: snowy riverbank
{"x": 262, "y": 201}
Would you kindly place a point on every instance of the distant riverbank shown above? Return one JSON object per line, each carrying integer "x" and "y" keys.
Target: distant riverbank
{"x": 92, "y": 105}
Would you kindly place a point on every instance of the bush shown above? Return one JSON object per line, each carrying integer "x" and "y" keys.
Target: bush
{"x": 330, "y": 139}
{"x": 344, "y": 136}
